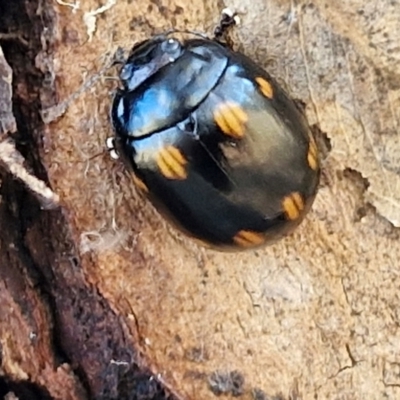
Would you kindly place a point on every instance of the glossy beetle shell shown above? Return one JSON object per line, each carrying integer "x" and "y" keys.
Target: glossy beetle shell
{"x": 215, "y": 143}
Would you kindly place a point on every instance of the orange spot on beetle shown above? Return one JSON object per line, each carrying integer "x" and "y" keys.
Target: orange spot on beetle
{"x": 139, "y": 183}
{"x": 171, "y": 163}
{"x": 312, "y": 156}
{"x": 248, "y": 238}
{"x": 231, "y": 119}
{"x": 293, "y": 205}
{"x": 265, "y": 87}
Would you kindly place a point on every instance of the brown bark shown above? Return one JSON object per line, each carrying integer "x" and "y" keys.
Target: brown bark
{"x": 100, "y": 298}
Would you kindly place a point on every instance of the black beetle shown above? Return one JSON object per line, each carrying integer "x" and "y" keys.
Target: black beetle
{"x": 214, "y": 141}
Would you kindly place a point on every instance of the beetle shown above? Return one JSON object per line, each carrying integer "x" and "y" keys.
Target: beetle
{"x": 217, "y": 145}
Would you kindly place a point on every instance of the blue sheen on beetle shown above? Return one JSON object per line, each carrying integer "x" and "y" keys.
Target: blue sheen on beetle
{"x": 221, "y": 149}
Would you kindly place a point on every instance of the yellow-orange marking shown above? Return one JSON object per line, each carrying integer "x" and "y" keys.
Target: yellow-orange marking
{"x": 139, "y": 183}
{"x": 265, "y": 87}
{"x": 248, "y": 238}
{"x": 312, "y": 156}
{"x": 293, "y": 205}
{"x": 172, "y": 163}
{"x": 231, "y": 119}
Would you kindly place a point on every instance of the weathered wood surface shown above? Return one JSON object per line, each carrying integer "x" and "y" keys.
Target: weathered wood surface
{"x": 100, "y": 298}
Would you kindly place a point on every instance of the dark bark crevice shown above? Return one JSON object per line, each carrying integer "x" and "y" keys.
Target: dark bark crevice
{"x": 37, "y": 247}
